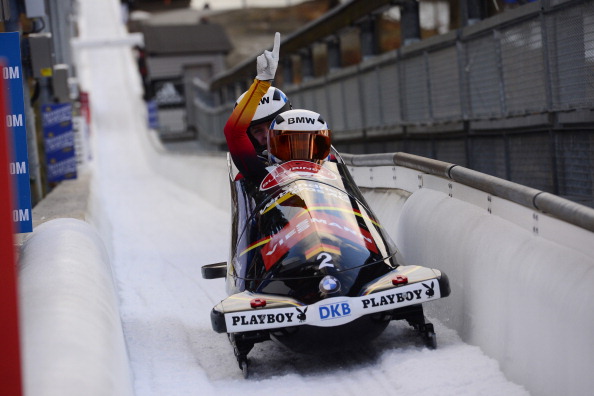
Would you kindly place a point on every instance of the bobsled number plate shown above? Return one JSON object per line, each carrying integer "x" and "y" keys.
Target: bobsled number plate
{"x": 333, "y": 311}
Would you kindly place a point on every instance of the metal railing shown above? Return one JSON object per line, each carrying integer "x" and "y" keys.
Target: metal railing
{"x": 560, "y": 208}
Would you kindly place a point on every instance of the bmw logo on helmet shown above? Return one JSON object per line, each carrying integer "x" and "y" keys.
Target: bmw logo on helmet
{"x": 329, "y": 284}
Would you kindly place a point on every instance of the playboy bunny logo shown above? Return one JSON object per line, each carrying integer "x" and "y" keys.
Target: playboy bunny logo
{"x": 301, "y": 316}
{"x": 430, "y": 292}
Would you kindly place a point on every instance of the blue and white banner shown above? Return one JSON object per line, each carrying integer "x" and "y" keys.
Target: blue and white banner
{"x": 12, "y": 73}
{"x": 58, "y": 137}
{"x": 328, "y": 312}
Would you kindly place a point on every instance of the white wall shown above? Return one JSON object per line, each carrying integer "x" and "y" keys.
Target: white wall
{"x": 71, "y": 334}
{"x": 526, "y": 299}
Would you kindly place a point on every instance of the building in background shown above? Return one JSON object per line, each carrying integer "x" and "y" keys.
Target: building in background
{"x": 179, "y": 46}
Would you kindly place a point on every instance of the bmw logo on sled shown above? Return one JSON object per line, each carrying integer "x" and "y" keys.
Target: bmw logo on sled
{"x": 311, "y": 267}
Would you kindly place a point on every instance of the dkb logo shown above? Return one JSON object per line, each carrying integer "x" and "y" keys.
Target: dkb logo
{"x": 335, "y": 311}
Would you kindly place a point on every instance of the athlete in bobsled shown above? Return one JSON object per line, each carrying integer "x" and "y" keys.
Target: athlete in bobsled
{"x": 310, "y": 265}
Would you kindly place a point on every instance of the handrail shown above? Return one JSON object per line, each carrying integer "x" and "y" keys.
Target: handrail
{"x": 561, "y": 208}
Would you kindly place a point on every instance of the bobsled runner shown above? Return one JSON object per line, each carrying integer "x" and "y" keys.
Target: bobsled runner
{"x": 311, "y": 267}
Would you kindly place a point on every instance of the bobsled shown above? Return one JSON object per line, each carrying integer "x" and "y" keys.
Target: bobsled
{"x": 311, "y": 267}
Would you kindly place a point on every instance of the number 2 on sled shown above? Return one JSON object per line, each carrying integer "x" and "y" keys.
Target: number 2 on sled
{"x": 326, "y": 260}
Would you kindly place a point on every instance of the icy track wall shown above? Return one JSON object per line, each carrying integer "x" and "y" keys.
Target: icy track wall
{"x": 522, "y": 281}
{"x": 72, "y": 340}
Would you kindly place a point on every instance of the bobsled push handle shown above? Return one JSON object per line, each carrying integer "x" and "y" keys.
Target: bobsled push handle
{"x": 214, "y": 271}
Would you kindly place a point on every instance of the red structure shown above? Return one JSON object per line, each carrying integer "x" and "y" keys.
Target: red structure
{"x": 10, "y": 360}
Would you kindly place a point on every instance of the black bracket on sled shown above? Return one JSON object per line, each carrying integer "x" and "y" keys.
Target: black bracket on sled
{"x": 243, "y": 343}
{"x": 414, "y": 315}
{"x": 214, "y": 271}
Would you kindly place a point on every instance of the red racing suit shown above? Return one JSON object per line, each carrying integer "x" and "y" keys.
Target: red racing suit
{"x": 240, "y": 146}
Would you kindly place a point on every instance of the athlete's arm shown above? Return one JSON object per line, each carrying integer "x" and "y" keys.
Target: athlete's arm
{"x": 236, "y": 132}
{"x": 236, "y": 129}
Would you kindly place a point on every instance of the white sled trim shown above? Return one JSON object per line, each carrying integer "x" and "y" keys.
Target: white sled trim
{"x": 334, "y": 311}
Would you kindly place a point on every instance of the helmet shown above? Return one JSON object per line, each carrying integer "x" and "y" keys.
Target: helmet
{"x": 299, "y": 135}
{"x": 272, "y": 103}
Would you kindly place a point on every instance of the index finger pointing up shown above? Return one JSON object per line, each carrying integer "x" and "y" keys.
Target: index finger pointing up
{"x": 276, "y": 47}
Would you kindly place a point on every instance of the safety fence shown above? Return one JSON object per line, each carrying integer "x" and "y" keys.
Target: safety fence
{"x": 509, "y": 96}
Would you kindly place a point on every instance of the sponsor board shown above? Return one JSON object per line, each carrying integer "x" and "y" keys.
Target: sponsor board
{"x": 15, "y": 121}
{"x": 58, "y": 135}
{"x": 152, "y": 114}
{"x": 333, "y": 311}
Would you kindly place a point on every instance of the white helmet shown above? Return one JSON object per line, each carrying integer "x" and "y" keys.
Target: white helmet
{"x": 299, "y": 135}
{"x": 272, "y": 103}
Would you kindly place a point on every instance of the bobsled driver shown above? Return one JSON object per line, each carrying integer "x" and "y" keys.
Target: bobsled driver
{"x": 293, "y": 134}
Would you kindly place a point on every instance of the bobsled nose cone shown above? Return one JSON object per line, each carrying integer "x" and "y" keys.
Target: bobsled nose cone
{"x": 329, "y": 285}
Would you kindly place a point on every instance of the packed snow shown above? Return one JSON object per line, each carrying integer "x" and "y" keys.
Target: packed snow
{"x": 160, "y": 231}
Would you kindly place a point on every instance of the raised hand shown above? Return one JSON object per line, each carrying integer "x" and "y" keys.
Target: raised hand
{"x": 267, "y": 63}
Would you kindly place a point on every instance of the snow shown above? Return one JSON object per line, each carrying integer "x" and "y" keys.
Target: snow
{"x": 159, "y": 229}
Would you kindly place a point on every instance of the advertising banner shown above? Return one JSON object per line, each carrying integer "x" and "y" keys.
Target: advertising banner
{"x": 12, "y": 73}
{"x": 153, "y": 114}
{"x": 58, "y": 137}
